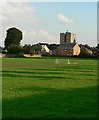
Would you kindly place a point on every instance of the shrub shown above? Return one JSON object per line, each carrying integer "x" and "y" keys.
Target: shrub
{"x": 15, "y": 49}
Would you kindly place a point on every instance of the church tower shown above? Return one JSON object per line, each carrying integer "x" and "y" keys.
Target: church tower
{"x": 67, "y": 37}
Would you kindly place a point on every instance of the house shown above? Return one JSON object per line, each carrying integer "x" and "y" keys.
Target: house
{"x": 45, "y": 50}
{"x": 88, "y": 51}
{"x": 69, "y": 49}
{"x": 41, "y": 48}
{"x": 68, "y": 45}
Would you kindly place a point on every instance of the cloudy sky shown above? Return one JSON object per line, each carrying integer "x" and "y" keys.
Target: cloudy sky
{"x": 44, "y": 21}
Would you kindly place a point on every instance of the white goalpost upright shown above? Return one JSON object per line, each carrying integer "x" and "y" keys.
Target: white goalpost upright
{"x": 68, "y": 61}
{"x": 57, "y": 61}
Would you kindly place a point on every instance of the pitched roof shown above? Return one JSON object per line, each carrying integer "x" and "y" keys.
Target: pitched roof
{"x": 67, "y": 46}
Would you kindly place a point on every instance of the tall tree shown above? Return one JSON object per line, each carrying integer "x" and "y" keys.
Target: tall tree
{"x": 14, "y": 36}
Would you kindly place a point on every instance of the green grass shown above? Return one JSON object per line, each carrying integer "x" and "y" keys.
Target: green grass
{"x": 40, "y": 88}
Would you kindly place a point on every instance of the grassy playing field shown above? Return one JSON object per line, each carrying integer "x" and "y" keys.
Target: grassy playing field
{"x": 42, "y": 88}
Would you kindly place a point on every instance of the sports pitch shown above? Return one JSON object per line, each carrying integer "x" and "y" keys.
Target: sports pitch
{"x": 49, "y": 88}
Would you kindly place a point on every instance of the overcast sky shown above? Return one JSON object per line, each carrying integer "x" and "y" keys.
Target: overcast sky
{"x": 44, "y": 21}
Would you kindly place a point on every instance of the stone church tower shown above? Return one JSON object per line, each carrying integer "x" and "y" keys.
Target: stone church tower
{"x": 67, "y": 37}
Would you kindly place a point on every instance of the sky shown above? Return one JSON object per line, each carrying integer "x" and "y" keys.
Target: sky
{"x": 44, "y": 21}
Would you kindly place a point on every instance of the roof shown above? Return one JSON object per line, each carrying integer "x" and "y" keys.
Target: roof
{"x": 67, "y": 45}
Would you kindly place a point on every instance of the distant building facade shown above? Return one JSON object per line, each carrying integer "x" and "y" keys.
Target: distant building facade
{"x": 69, "y": 49}
{"x": 68, "y": 45}
{"x": 42, "y": 49}
{"x": 45, "y": 50}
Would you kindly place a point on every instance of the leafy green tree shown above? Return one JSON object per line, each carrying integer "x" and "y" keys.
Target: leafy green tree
{"x": 39, "y": 47}
{"x": 14, "y": 36}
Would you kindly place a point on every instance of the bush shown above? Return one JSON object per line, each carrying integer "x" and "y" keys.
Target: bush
{"x": 15, "y": 49}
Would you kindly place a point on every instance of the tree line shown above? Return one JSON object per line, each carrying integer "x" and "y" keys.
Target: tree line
{"x": 14, "y": 36}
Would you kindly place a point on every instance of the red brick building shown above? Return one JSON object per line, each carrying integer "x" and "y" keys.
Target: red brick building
{"x": 69, "y": 49}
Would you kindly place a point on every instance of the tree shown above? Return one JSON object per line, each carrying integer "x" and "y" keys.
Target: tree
{"x": 88, "y": 47}
{"x": 26, "y": 49}
{"x": 14, "y": 36}
{"x": 39, "y": 47}
{"x": 53, "y": 46}
{"x": 32, "y": 50}
{"x": 96, "y": 51}
{"x": 1, "y": 49}
{"x": 15, "y": 49}
{"x": 85, "y": 52}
